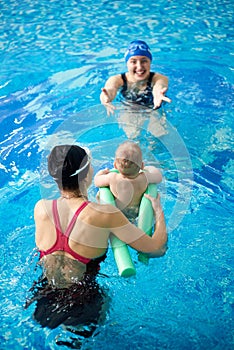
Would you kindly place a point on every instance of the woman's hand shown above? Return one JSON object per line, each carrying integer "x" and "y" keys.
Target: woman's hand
{"x": 106, "y": 101}
{"x": 159, "y": 97}
{"x": 156, "y": 205}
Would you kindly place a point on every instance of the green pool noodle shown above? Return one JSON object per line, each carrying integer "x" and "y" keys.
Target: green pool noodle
{"x": 146, "y": 217}
{"x": 120, "y": 250}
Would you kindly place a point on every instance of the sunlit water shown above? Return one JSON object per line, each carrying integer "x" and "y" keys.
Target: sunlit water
{"x": 55, "y": 57}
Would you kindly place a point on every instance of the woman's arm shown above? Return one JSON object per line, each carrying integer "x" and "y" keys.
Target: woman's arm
{"x": 160, "y": 233}
{"x": 156, "y": 245}
{"x": 109, "y": 92}
{"x": 43, "y": 223}
{"x": 160, "y": 86}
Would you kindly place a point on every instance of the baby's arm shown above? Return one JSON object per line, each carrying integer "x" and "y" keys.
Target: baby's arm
{"x": 159, "y": 89}
{"x": 102, "y": 178}
{"x": 153, "y": 174}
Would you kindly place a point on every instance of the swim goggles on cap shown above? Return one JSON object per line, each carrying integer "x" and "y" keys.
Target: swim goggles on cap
{"x": 138, "y": 49}
{"x": 134, "y": 47}
{"x": 88, "y": 152}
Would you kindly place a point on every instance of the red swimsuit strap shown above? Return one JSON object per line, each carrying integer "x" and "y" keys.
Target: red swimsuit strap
{"x": 73, "y": 220}
{"x": 62, "y": 239}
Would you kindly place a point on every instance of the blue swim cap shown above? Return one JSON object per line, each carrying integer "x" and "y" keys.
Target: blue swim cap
{"x": 137, "y": 48}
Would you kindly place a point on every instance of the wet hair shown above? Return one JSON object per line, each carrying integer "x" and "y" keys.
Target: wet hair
{"x": 68, "y": 165}
{"x": 128, "y": 157}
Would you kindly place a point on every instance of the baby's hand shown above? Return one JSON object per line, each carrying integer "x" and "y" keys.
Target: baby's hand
{"x": 103, "y": 171}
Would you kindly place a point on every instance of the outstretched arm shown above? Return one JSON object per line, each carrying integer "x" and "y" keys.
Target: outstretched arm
{"x": 109, "y": 93}
{"x": 160, "y": 88}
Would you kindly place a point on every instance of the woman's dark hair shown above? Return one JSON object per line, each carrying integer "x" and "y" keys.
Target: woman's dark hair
{"x": 64, "y": 163}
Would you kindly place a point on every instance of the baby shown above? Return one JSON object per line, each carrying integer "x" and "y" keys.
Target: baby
{"x": 130, "y": 182}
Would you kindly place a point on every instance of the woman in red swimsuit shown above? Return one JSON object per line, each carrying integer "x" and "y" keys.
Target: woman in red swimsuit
{"x": 72, "y": 237}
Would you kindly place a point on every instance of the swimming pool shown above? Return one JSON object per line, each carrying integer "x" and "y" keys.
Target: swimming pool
{"x": 55, "y": 59}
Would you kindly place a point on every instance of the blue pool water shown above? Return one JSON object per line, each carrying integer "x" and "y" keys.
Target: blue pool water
{"x": 55, "y": 58}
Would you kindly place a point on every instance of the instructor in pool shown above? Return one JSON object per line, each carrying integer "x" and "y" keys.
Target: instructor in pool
{"x": 72, "y": 235}
{"x": 139, "y": 85}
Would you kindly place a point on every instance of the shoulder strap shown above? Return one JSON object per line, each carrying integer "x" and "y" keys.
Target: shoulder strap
{"x": 73, "y": 220}
{"x": 150, "y": 78}
{"x": 123, "y": 76}
{"x": 56, "y": 215}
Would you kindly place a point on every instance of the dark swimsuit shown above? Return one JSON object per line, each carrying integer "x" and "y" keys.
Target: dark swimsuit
{"x": 79, "y": 304}
{"x": 144, "y": 98}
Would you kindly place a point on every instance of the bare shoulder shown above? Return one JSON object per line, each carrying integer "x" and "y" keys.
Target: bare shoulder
{"x": 41, "y": 208}
{"x": 153, "y": 174}
{"x": 104, "y": 215}
{"x": 102, "y": 209}
{"x": 158, "y": 76}
{"x": 115, "y": 176}
{"x": 115, "y": 81}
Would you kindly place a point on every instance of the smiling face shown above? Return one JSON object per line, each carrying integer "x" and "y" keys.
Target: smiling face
{"x": 138, "y": 68}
